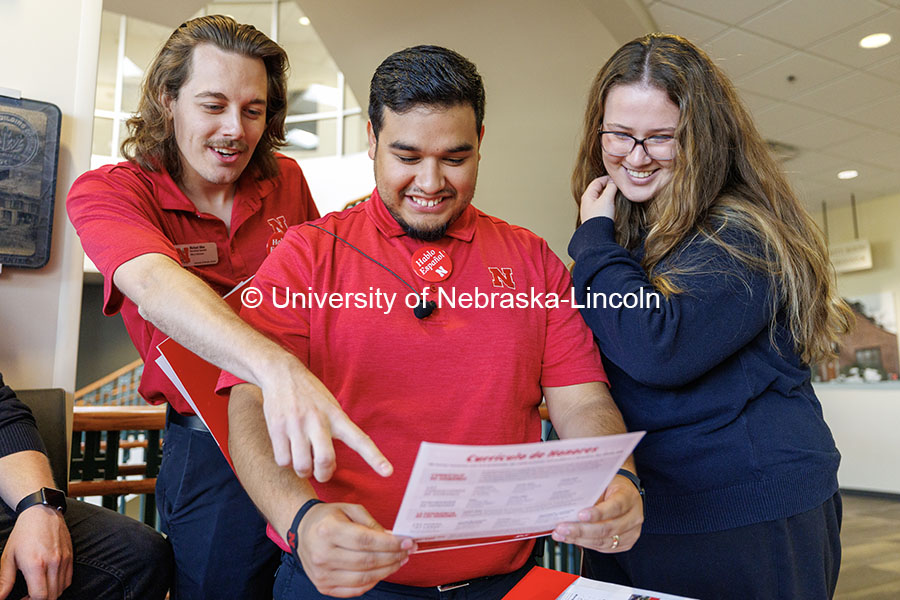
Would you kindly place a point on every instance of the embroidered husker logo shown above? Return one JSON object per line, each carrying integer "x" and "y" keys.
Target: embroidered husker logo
{"x": 279, "y": 227}
{"x": 278, "y": 224}
{"x": 502, "y": 277}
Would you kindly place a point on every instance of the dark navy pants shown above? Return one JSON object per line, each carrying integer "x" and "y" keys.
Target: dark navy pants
{"x": 797, "y": 558}
{"x": 293, "y": 584}
{"x": 218, "y": 536}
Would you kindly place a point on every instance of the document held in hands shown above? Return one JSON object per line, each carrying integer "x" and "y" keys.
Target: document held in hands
{"x": 460, "y": 496}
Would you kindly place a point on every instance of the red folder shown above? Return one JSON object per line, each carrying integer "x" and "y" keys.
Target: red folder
{"x": 541, "y": 584}
{"x": 196, "y": 379}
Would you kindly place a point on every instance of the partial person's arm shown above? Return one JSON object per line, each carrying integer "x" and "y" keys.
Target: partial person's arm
{"x": 587, "y": 410}
{"x": 301, "y": 414}
{"x": 39, "y": 544}
{"x": 343, "y": 550}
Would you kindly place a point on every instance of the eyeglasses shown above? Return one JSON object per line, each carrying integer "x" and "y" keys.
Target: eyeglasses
{"x": 657, "y": 147}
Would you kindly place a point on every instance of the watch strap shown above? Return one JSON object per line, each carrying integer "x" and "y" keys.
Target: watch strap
{"x": 633, "y": 479}
{"x": 45, "y": 496}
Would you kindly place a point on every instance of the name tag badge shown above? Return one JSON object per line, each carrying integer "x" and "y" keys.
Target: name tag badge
{"x": 197, "y": 255}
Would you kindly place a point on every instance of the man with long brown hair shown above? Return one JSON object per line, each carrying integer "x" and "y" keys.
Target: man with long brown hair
{"x": 199, "y": 204}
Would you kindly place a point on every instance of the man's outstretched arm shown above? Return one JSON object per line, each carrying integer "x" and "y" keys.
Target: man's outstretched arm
{"x": 301, "y": 415}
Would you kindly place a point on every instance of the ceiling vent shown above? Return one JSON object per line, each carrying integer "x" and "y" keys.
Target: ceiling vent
{"x": 783, "y": 152}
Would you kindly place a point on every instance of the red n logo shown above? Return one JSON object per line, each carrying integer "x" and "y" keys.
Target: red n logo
{"x": 502, "y": 277}
{"x": 278, "y": 224}
{"x": 184, "y": 255}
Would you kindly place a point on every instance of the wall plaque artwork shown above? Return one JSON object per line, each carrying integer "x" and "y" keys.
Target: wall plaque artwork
{"x": 29, "y": 151}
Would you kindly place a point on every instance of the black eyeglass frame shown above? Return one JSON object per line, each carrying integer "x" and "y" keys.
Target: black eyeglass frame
{"x": 636, "y": 142}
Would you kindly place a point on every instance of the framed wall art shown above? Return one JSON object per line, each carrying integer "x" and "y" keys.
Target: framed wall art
{"x": 29, "y": 152}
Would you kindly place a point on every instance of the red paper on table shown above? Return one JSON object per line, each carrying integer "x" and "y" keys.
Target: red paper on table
{"x": 196, "y": 379}
{"x": 541, "y": 584}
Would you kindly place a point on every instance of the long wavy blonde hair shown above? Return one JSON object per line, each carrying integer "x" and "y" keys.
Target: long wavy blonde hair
{"x": 152, "y": 142}
{"x": 723, "y": 176}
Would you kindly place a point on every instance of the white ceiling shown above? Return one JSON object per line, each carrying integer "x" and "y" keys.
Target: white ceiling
{"x": 799, "y": 68}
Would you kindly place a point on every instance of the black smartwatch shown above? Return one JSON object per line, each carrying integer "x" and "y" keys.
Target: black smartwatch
{"x": 46, "y": 496}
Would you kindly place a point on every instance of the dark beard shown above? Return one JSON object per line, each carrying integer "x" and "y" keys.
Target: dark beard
{"x": 425, "y": 235}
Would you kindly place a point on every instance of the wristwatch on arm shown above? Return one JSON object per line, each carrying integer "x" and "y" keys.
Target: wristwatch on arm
{"x": 45, "y": 496}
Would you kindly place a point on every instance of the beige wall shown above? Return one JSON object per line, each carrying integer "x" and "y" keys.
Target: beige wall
{"x": 537, "y": 60}
{"x": 49, "y": 51}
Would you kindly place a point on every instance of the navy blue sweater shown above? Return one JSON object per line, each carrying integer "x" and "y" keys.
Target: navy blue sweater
{"x": 735, "y": 433}
{"x": 18, "y": 431}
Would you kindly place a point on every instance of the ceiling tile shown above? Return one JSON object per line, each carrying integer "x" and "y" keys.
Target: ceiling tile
{"x": 816, "y": 165}
{"x": 884, "y": 115}
{"x": 808, "y": 186}
{"x": 808, "y": 72}
{"x": 782, "y": 116}
{"x": 755, "y": 102}
{"x": 883, "y": 181}
{"x": 696, "y": 28}
{"x": 740, "y": 52}
{"x": 857, "y": 90}
{"x": 798, "y": 23}
{"x": 822, "y": 134}
{"x": 845, "y": 49}
{"x": 880, "y": 148}
{"x": 727, "y": 12}
{"x": 889, "y": 69}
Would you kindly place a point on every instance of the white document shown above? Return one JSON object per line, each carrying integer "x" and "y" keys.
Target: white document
{"x": 589, "y": 589}
{"x": 460, "y": 496}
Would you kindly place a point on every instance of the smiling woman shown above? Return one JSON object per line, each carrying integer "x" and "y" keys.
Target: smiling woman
{"x": 679, "y": 197}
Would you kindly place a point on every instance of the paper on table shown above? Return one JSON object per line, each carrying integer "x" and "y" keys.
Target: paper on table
{"x": 546, "y": 584}
{"x": 460, "y": 496}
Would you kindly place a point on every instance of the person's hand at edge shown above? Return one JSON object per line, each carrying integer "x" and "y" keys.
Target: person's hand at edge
{"x": 39, "y": 546}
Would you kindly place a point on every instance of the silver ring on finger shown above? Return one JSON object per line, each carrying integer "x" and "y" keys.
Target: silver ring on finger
{"x": 615, "y": 541}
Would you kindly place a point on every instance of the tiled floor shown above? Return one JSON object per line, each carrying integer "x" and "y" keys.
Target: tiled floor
{"x": 870, "y": 539}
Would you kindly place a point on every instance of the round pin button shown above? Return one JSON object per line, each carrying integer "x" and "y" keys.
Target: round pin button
{"x": 432, "y": 264}
{"x": 274, "y": 241}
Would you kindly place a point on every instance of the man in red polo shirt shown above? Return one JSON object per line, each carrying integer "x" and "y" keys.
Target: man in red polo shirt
{"x": 196, "y": 209}
{"x": 338, "y": 295}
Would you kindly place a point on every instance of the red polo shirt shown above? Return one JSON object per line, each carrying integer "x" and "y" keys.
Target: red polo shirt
{"x": 461, "y": 376}
{"x": 122, "y": 211}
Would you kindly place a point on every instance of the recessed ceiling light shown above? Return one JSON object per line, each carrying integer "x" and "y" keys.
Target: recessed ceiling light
{"x": 303, "y": 20}
{"x": 876, "y": 40}
{"x": 850, "y": 174}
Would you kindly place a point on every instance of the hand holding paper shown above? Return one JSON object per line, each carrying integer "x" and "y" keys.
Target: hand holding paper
{"x": 344, "y": 550}
{"x": 617, "y": 513}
